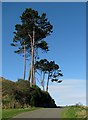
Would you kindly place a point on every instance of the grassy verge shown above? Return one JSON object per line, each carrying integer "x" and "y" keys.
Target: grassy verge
{"x": 82, "y": 112}
{"x": 74, "y": 112}
{"x": 69, "y": 112}
{"x": 9, "y": 113}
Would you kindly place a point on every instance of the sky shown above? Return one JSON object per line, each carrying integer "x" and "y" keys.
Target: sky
{"x": 44, "y": 0}
{"x": 67, "y": 46}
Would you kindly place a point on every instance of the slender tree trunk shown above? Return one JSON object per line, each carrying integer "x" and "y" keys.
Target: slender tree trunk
{"x": 41, "y": 77}
{"x": 24, "y": 61}
{"x": 32, "y": 60}
{"x": 30, "y": 70}
{"x": 43, "y": 80}
{"x": 31, "y": 77}
{"x": 47, "y": 82}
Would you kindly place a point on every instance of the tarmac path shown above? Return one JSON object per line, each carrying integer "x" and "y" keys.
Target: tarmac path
{"x": 42, "y": 113}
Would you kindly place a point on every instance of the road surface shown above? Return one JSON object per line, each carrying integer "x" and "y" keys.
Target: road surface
{"x": 42, "y": 113}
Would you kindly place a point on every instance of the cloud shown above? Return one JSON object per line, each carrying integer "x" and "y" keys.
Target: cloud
{"x": 71, "y": 91}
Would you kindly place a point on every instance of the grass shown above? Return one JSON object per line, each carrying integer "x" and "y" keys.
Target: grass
{"x": 69, "y": 112}
{"x": 9, "y": 113}
{"x": 75, "y": 112}
{"x": 82, "y": 112}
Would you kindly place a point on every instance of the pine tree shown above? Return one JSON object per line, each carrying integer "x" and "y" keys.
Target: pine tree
{"x": 31, "y": 32}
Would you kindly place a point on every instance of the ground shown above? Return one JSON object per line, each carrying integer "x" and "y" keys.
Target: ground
{"x": 42, "y": 113}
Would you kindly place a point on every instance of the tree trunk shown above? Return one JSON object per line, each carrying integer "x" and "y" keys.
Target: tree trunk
{"x": 47, "y": 82}
{"x": 32, "y": 72}
{"x": 29, "y": 76}
{"x": 24, "y": 61}
{"x": 42, "y": 80}
{"x": 32, "y": 60}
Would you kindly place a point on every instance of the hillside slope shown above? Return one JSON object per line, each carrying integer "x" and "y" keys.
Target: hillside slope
{"x": 19, "y": 95}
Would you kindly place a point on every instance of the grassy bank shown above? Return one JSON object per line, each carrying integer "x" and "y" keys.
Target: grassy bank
{"x": 9, "y": 113}
{"x": 74, "y": 112}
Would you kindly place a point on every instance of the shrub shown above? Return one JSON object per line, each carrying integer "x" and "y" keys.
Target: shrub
{"x": 23, "y": 96}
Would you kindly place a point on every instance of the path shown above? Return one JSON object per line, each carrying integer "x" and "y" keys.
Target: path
{"x": 42, "y": 113}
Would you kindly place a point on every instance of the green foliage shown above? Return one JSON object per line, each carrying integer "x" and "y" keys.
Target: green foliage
{"x": 22, "y": 84}
{"x": 23, "y": 96}
{"x": 9, "y": 113}
{"x": 30, "y": 19}
{"x": 31, "y": 33}
{"x": 8, "y": 87}
{"x": 41, "y": 99}
{"x": 50, "y": 68}
{"x": 74, "y": 112}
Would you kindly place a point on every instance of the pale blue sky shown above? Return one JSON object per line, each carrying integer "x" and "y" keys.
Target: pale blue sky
{"x": 67, "y": 42}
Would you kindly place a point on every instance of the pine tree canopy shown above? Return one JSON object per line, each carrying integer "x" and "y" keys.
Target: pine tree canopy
{"x": 30, "y": 19}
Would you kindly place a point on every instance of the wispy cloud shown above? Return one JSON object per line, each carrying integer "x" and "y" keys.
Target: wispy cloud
{"x": 71, "y": 91}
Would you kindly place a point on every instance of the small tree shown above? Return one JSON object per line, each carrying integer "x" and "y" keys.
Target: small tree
{"x": 50, "y": 69}
{"x": 42, "y": 67}
{"x": 53, "y": 73}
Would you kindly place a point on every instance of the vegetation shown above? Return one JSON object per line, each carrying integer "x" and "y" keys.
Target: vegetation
{"x": 9, "y": 113}
{"x": 20, "y": 95}
{"x": 75, "y": 112}
{"x": 48, "y": 70}
{"x": 29, "y": 36}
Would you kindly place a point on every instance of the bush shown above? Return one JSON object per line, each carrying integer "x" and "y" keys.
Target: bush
{"x": 41, "y": 98}
{"x": 23, "y": 96}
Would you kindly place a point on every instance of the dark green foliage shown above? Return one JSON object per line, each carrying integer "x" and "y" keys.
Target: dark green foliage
{"x": 31, "y": 19}
{"x": 7, "y": 87}
{"x": 22, "y": 84}
{"x": 50, "y": 68}
{"x": 46, "y": 100}
{"x": 41, "y": 65}
{"x": 29, "y": 37}
{"x": 41, "y": 99}
{"x": 24, "y": 96}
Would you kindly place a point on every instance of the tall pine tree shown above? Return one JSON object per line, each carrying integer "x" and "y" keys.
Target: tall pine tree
{"x": 31, "y": 32}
